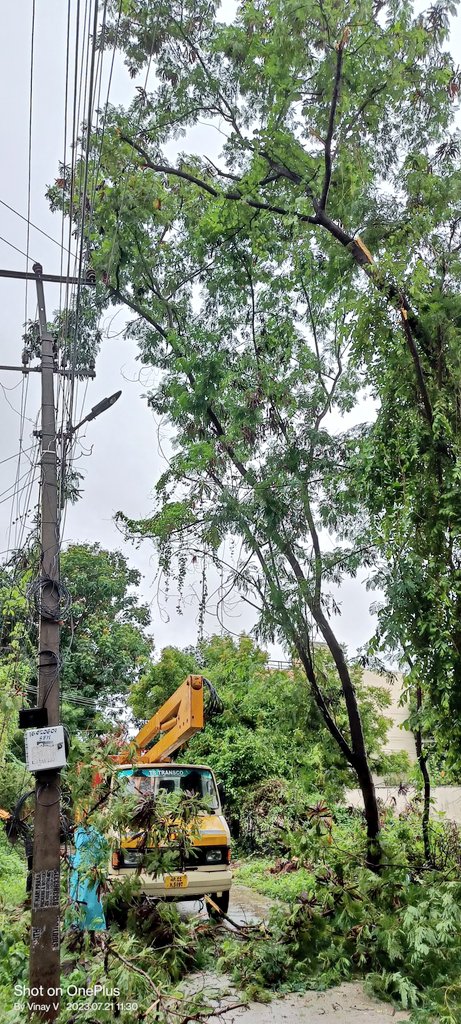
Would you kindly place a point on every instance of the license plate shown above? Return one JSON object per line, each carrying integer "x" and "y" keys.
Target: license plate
{"x": 175, "y": 881}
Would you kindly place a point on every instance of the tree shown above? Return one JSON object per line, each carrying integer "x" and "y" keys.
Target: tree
{"x": 159, "y": 680}
{"x": 104, "y": 643}
{"x": 320, "y": 254}
{"x": 270, "y": 729}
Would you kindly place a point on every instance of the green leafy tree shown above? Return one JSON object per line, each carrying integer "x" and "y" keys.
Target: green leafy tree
{"x": 104, "y": 642}
{"x": 320, "y": 253}
{"x": 159, "y": 680}
{"x": 270, "y": 728}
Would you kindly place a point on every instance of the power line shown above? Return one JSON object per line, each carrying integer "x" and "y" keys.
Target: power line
{"x": 20, "y": 251}
{"x": 35, "y": 226}
{"x": 72, "y": 698}
{"x": 25, "y": 381}
{"x": 12, "y": 496}
{"x": 62, "y": 380}
{"x": 69, "y": 388}
{"x": 83, "y": 85}
{"x": 89, "y": 120}
{"x": 17, "y": 411}
{"x": 11, "y": 457}
{"x": 93, "y": 98}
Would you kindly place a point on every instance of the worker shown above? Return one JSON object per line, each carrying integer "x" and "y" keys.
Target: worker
{"x": 90, "y": 851}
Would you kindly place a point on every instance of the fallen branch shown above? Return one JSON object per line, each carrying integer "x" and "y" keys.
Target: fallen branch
{"x": 203, "y": 1017}
{"x": 240, "y": 927}
{"x": 133, "y": 967}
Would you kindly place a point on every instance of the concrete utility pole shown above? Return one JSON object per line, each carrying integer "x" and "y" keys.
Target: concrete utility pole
{"x": 44, "y": 974}
{"x": 44, "y": 945}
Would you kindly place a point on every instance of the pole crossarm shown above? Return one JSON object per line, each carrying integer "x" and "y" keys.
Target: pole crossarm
{"x": 26, "y": 275}
{"x": 56, "y": 369}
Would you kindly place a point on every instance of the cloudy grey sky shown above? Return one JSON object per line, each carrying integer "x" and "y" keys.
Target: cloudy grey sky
{"x": 125, "y": 459}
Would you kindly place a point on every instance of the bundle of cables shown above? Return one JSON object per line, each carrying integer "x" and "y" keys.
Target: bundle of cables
{"x": 214, "y": 705}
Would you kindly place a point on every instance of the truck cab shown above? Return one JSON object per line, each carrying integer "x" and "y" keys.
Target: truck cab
{"x": 207, "y": 869}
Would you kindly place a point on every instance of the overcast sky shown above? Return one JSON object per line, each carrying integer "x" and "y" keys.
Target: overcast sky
{"x": 125, "y": 460}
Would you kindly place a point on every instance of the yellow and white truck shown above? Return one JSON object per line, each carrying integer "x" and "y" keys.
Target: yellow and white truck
{"x": 206, "y": 871}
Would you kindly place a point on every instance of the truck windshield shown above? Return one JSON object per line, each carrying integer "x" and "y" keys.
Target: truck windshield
{"x": 151, "y": 781}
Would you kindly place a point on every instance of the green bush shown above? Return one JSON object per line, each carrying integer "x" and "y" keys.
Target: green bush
{"x": 14, "y": 781}
{"x": 256, "y": 874}
{"x": 12, "y": 874}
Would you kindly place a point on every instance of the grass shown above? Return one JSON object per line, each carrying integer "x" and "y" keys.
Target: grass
{"x": 286, "y": 887}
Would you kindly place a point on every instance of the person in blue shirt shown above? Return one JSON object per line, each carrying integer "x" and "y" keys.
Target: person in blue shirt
{"x": 91, "y": 851}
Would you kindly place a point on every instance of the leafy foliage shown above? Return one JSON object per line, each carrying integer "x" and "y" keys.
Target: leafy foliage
{"x": 319, "y": 256}
{"x": 104, "y": 643}
{"x": 267, "y": 747}
{"x": 401, "y": 930}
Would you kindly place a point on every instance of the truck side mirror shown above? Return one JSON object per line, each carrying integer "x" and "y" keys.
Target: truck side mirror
{"x": 221, "y": 792}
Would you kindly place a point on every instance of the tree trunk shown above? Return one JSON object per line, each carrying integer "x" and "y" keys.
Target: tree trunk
{"x": 370, "y": 805}
{"x": 422, "y": 761}
{"x": 355, "y": 753}
{"x": 359, "y": 753}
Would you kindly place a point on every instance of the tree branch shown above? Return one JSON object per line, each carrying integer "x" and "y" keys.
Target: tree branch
{"x": 206, "y": 187}
{"x": 331, "y": 119}
{"x": 412, "y": 327}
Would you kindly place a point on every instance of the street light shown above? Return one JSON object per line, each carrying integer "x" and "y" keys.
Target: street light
{"x": 96, "y": 411}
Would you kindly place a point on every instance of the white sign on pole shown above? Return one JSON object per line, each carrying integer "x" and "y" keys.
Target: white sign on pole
{"x": 45, "y": 748}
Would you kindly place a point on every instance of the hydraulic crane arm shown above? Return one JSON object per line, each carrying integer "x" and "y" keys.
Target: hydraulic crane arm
{"x": 177, "y": 720}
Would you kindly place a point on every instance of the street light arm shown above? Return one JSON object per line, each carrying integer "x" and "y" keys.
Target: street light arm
{"x": 96, "y": 411}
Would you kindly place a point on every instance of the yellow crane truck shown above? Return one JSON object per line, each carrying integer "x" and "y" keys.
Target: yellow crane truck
{"x": 150, "y": 771}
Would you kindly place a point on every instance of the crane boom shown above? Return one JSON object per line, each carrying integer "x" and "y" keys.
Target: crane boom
{"x": 177, "y": 720}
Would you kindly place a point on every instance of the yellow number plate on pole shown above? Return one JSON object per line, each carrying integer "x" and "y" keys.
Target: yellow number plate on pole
{"x": 175, "y": 881}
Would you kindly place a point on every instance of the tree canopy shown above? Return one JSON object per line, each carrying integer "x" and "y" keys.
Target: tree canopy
{"x": 317, "y": 255}
{"x": 268, "y": 740}
{"x": 104, "y": 642}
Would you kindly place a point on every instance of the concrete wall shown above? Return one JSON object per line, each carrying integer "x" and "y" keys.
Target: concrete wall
{"x": 446, "y": 799}
{"x": 398, "y": 739}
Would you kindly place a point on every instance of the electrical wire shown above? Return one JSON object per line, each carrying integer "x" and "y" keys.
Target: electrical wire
{"x": 89, "y": 74}
{"x": 82, "y": 101}
{"x": 73, "y": 300}
{"x": 13, "y": 485}
{"x": 53, "y": 613}
{"x": 20, "y": 251}
{"x": 11, "y": 457}
{"x": 30, "y": 224}
{"x": 25, "y": 382}
{"x": 70, "y": 457}
{"x": 21, "y": 497}
{"x": 19, "y": 412}
{"x": 67, "y": 388}
{"x": 72, "y": 697}
{"x": 61, "y": 390}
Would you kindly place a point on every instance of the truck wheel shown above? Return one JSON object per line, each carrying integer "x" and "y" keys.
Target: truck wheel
{"x": 221, "y": 901}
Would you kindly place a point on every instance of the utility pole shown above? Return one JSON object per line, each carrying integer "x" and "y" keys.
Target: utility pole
{"x": 45, "y": 936}
{"x": 44, "y": 971}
